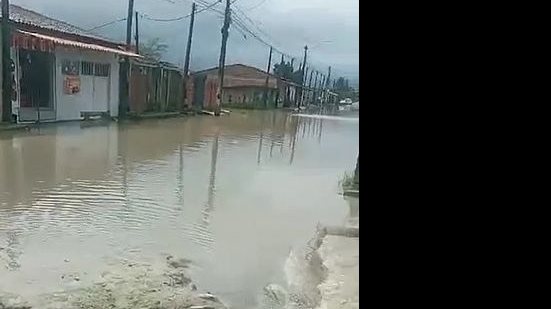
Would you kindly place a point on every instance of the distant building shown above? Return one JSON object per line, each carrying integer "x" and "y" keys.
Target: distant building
{"x": 61, "y": 72}
{"x": 243, "y": 86}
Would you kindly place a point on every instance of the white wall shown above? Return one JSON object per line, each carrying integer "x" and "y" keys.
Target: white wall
{"x": 69, "y": 106}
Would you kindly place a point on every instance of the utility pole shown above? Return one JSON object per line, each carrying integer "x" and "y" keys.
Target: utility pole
{"x": 222, "y": 61}
{"x": 295, "y": 95}
{"x": 322, "y": 90}
{"x": 326, "y": 85}
{"x": 304, "y": 62}
{"x": 267, "y": 79}
{"x": 188, "y": 49}
{"x": 190, "y": 35}
{"x": 316, "y": 88}
{"x": 304, "y": 72}
{"x": 303, "y": 94}
{"x": 6, "y": 62}
{"x": 310, "y": 81}
{"x": 137, "y": 35}
{"x": 320, "y": 87}
{"x": 125, "y": 77}
{"x": 129, "y": 24}
{"x": 303, "y": 79}
{"x": 327, "y": 81}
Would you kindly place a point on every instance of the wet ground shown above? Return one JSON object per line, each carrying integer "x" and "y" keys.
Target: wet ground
{"x": 232, "y": 194}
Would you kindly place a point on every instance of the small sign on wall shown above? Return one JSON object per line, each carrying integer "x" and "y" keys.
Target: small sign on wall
{"x": 71, "y": 84}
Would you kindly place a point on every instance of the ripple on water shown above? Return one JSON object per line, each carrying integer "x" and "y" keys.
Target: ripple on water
{"x": 150, "y": 190}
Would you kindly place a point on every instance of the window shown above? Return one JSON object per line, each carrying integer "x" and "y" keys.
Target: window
{"x": 87, "y": 68}
{"x": 69, "y": 67}
{"x": 102, "y": 69}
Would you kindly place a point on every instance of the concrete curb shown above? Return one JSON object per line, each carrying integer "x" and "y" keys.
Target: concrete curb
{"x": 14, "y": 127}
{"x": 354, "y": 193}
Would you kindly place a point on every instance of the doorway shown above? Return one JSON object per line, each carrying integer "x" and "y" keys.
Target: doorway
{"x": 35, "y": 84}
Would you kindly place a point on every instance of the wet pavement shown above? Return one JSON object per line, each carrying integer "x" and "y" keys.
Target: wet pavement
{"x": 232, "y": 194}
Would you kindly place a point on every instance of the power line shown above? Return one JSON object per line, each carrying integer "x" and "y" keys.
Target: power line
{"x": 239, "y": 20}
{"x": 254, "y": 23}
{"x": 256, "y": 5}
{"x": 144, "y": 16}
{"x": 241, "y": 25}
{"x": 181, "y": 17}
{"x": 106, "y": 24}
{"x": 207, "y": 6}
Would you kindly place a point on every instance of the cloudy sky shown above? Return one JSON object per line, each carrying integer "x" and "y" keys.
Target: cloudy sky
{"x": 329, "y": 28}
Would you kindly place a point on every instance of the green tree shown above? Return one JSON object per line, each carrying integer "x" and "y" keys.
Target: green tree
{"x": 153, "y": 49}
{"x": 297, "y": 77}
{"x": 284, "y": 70}
{"x": 341, "y": 85}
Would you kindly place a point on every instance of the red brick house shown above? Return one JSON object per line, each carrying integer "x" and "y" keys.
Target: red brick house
{"x": 243, "y": 86}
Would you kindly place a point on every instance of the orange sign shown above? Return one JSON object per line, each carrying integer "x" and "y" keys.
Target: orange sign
{"x": 71, "y": 84}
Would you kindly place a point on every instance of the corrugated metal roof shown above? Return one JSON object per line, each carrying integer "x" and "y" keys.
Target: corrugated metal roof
{"x": 229, "y": 66}
{"x": 157, "y": 64}
{"x": 25, "y": 16}
{"x": 75, "y": 44}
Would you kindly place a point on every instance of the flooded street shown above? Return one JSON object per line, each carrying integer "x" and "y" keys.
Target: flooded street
{"x": 232, "y": 194}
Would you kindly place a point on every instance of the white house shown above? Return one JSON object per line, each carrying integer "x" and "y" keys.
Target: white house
{"x": 61, "y": 72}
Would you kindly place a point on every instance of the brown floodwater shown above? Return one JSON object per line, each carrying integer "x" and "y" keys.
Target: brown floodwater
{"x": 233, "y": 194}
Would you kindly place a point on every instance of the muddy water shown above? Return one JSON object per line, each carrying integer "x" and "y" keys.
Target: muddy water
{"x": 233, "y": 194}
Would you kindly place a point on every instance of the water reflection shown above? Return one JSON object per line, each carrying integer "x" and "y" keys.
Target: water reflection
{"x": 201, "y": 232}
{"x": 214, "y": 190}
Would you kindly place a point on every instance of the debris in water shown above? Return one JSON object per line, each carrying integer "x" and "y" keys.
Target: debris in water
{"x": 179, "y": 263}
{"x": 275, "y": 296}
{"x": 208, "y": 296}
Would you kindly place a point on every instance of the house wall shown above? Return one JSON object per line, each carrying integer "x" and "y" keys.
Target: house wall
{"x": 95, "y": 95}
{"x": 155, "y": 89}
{"x": 176, "y": 93}
{"x": 248, "y": 96}
{"x": 239, "y": 81}
{"x": 189, "y": 92}
{"x": 140, "y": 88}
{"x": 211, "y": 88}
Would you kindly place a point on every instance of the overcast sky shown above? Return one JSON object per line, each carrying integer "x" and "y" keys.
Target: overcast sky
{"x": 329, "y": 28}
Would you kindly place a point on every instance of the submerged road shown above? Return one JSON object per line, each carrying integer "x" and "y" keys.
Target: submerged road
{"x": 231, "y": 194}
